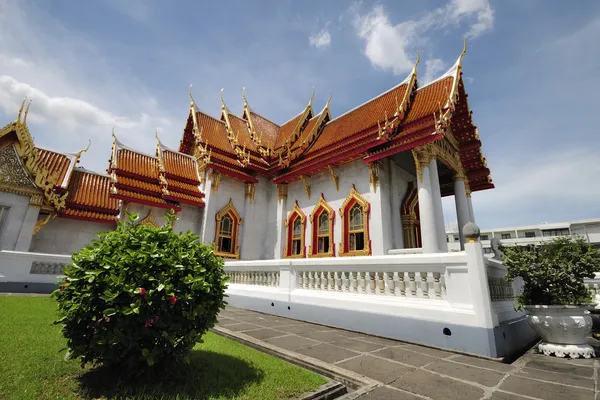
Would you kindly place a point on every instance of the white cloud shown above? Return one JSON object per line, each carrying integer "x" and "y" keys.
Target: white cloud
{"x": 390, "y": 46}
{"x": 42, "y": 60}
{"x": 321, "y": 39}
{"x": 432, "y": 69}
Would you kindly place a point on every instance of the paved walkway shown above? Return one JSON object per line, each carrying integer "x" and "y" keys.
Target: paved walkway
{"x": 411, "y": 372}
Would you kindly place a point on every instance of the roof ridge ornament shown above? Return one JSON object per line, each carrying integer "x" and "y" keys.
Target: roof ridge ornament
{"x": 243, "y": 96}
{"x": 192, "y": 102}
{"x": 80, "y": 152}
{"x": 26, "y": 112}
{"x": 312, "y": 97}
{"x": 18, "y": 120}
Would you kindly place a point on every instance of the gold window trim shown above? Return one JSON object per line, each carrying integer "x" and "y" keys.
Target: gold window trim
{"x": 355, "y": 196}
{"x": 296, "y": 210}
{"x": 314, "y": 219}
{"x": 229, "y": 209}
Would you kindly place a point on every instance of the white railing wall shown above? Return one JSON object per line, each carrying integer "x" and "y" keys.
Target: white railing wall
{"x": 502, "y": 292}
{"x": 593, "y": 285}
{"x": 20, "y": 266}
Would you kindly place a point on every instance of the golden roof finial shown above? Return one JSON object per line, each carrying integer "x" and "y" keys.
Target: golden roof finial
{"x": 192, "y": 103}
{"x": 21, "y": 110}
{"x": 80, "y": 152}
{"x": 329, "y": 99}
{"x": 222, "y": 101}
{"x": 312, "y": 97}
{"x": 463, "y": 52}
{"x": 418, "y": 59}
{"x": 113, "y": 133}
{"x": 244, "y": 96}
{"x": 26, "y": 112}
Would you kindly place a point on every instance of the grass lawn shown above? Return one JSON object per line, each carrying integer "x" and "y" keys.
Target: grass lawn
{"x": 31, "y": 366}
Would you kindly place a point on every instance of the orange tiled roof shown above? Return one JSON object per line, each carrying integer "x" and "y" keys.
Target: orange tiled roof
{"x": 153, "y": 187}
{"x": 360, "y": 118}
{"x": 214, "y": 133}
{"x": 180, "y": 165}
{"x": 91, "y": 190}
{"x": 306, "y": 132}
{"x": 56, "y": 163}
{"x": 267, "y": 130}
{"x": 429, "y": 99}
{"x": 137, "y": 163}
{"x": 89, "y": 215}
{"x": 240, "y": 129}
{"x": 287, "y": 129}
{"x": 179, "y": 186}
{"x": 186, "y": 198}
{"x": 140, "y": 196}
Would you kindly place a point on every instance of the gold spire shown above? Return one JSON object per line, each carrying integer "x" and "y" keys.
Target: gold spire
{"x": 192, "y": 102}
{"x": 21, "y": 110}
{"x": 113, "y": 133}
{"x": 222, "y": 101}
{"x": 312, "y": 97}
{"x": 156, "y": 135}
{"x": 329, "y": 99}
{"x": 80, "y": 152}
{"x": 464, "y": 51}
{"x": 244, "y": 96}
{"x": 26, "y": 112}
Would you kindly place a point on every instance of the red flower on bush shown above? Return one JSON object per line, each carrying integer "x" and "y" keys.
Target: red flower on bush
{"x": 143, "y": 291}
{"x": 173, "y": 299}
{"x": 155, "y": 318}
{"x": 148, "y": 324}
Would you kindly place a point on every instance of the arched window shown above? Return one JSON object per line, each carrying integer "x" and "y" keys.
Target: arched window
{"x": 355, "y": 226}
{"x": 322, "y": 230}
{"x": 295, "y": 225}
{"x": 226, "y": 232}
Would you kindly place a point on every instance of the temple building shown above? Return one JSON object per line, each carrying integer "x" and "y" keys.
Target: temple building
{"x": 367, "y": 182}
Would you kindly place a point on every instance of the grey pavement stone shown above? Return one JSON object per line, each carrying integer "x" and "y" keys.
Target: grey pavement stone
{"x": 385, "y": 393}
{"x": 324, "y": 336}
{"x": 466, "y": 372}
{"x": 428, "y": 350}
{"x": 327, "y": 353}
{"x": 406, "y": 357}
{"x": 271, "y": 323}
{"x": 567, "y": 379}
{"x": 242, "y": 326}
{"x": 291, "y": 342}
{"x": 376, "y": 368}
{"x": 544, "y": 390}
{"x": 437, "y": 387}
{"x": 264, "y": 333}
{"x": 302, "y": 328}
{"x": 479, "y": 362}
{"x": 553, "y": 364}
{"x": 226, "y": 322}
{"x": 357, "y": 345}
{"x": 378, "y": 340}
{"x": 497, "y": 395}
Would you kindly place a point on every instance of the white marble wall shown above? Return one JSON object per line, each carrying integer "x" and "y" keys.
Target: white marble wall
{"x": 19, "y": 220}
{"x": 65, "y": 236}
{"x": 189, "y": 219}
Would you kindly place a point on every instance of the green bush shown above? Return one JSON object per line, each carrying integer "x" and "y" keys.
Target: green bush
{"x": 552, "y": 272}
{"x": 139, "y": 295}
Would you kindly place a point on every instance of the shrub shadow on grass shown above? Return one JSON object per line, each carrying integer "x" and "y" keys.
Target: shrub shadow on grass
{"x": 208, "y": 374}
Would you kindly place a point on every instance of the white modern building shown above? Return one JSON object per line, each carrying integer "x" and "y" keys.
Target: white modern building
{"x": 589, "y": 229}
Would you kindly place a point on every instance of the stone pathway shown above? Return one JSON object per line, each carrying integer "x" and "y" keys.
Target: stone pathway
{"x": 411, "y": 372}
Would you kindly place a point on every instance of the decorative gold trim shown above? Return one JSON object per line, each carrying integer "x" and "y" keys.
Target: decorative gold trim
{"x": 472, "y": 240}
{"x": 42, "y": 222}
{"x": 354, "y": 195}
{"x": 215, "y": 177}
{"x": 306, "y": 185}
{"x": 335, "y": 178}
{"x": 282, "y": 191}
{"x": 440, "y": 149}
{"x": 229, "y": 209}
{"x": 28, "y": 156}
{"x": 149, "y": 220}
{"x": 295, "y": 210}
{"x": 249, "y": 194}
{"x": 315, "y": 223}
{"x": 374, "y": 174}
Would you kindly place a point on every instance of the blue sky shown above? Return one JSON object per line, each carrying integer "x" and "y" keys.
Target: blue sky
{"x": 532, "y": 72}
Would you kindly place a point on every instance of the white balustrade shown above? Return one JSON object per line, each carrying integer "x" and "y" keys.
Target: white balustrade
{"x": 593, "y": 286}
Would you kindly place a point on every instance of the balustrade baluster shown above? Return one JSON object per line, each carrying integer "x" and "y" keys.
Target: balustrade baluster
{"x": 401, "y": 284}
{"x": 354, "y": 282}
{"x": 412, "y": 284}
{"x": 331, "y": 277}
{"x": 391, "y": 284}
{"x": 381, "y": 282}
{"x": 437, "y": 286}
{"x": 311, "y": 280}
{"x": 318, "y": 280}
{"x": 424, "y": 285}
{"x": 338, "y": 281}
{"x": 347, "y": 278}
{"x": 301, "y": 280}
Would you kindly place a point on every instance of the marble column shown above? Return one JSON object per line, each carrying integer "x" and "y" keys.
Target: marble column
{"x": 437, "y": 206}
{"x": 429, "y": 237}
{"x": 26, "y": 233}
{"x": 470, "y": 203}
{"x": 462, "y": 207}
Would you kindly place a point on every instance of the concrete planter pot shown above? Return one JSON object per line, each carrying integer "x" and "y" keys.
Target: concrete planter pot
{"x": 563, "y": 329}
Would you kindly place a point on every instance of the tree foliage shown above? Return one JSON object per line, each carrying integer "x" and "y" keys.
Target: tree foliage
{"x": 139, "y": 295}
{"x": 553, "y": 273}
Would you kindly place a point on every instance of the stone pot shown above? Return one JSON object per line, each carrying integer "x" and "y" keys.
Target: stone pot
{"x": 563, "y": 329}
